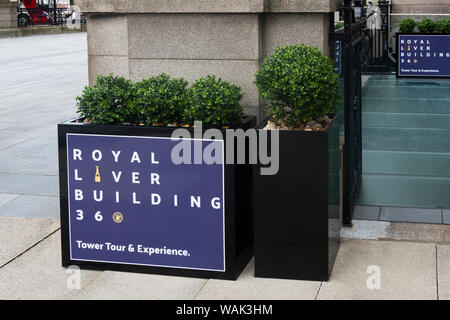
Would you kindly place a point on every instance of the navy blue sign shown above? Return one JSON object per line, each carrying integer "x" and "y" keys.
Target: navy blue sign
{"x": 338, "y": 57}
{"x": 423, "y": 55}
{"x": 129, "y": 203}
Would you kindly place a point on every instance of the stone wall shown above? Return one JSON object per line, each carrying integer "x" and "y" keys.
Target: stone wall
{"x": 419, "y": 9}
{"x": 194, "y": 38}
{"x": 421, "y": 6}
{"x": 8, "y": 14}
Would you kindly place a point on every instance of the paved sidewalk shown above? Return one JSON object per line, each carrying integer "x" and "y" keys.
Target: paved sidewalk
{"x": 39, "y": 79}
{"x": 30, "y": 269}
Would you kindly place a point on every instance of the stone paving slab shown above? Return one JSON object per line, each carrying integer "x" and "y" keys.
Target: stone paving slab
{"x": 443, "y": 254}
{"x": 134, "y": 286}
{"x": 29, "y": 184}
{"x": 247, "y": 287}
{"x": 35, "y": 207}
{"x": 407, "y": 271}
{"x": 5, "y": 198}
{"x": 49, "y": 167}
{"x": 398, "y": 231}
{"x": 44, "y": 160}
{"x": 8, "y": 142}
{"x": 367, "y": 230}
{"x": 38, "y": 274}
{"x": 436, "y": 233}
{"x": 9, "y": 166}
{"x": 18, "y": 235}
{"x": 30, "y": 146}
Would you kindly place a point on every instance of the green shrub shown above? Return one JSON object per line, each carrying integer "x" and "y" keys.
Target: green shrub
{"x": 109, "y": 101}
{"x": 426, "y": 26}
{"x": 299, "y": 83}
{"x": 338, "y": 25}
{"x": 161, "y": 99}
{"x": 443, "y": 26}
{"x": 407, "y": 25}
{"x": 214, "y": 102}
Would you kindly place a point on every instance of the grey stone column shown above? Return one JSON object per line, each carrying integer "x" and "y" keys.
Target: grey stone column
{"x": 194, "y": 38}
{"x": 8, "y": 14}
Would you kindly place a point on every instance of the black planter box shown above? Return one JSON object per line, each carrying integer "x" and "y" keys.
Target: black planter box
{"x": 297, "y": 211}
{"x": 238, "y": 234}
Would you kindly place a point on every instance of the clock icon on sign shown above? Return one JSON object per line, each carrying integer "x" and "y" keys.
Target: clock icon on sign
{"x": 118, "y": 217}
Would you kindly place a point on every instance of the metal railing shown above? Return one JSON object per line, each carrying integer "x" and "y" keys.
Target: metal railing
{"x": 348, "y": 64}
{"x": 375, "y": 26}
{"x": 49, "y": 16}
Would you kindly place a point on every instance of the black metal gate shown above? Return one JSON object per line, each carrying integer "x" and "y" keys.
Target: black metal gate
{"x": 351, "y": 40}
{"x": 375, "y": 23}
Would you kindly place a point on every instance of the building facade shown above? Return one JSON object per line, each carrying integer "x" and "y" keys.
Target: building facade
{"x": 8, "y": 14}
{"x": 419, "y": 9}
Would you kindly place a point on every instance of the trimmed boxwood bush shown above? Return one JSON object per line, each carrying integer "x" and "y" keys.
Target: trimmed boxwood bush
{"x": 299, "y": 83}
{"x": 214, "y": 102}
{"x": 443, "y": 26}
{"x": 109, "y": 101}
{"x": 161, "y": 99}
{"x": 407, "y": 25}
{"x": 426, "y": 26}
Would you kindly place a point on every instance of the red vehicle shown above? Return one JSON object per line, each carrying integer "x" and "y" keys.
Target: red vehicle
{"x": 30, "y": 14}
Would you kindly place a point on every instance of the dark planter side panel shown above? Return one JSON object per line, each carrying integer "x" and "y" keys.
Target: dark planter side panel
{"x": 334, "y": 191}
{"x": 292, "y": 210}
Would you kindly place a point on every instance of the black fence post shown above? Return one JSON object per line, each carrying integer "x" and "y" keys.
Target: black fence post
{"x": 352, "y": 173}
{"x": 55, "y": 13}
{"x": 384, "y": 7}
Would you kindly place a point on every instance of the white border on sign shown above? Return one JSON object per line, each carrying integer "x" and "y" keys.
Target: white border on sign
{"x": 143, "y": 137}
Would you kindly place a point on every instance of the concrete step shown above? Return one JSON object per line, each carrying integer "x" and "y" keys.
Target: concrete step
{"x": 406, "y": 120}
{"x": 406, "y": 143}
{"x": 408, "y": 92}
{"x": 406, "y": 105}
{"x": 392, "y": 77}
{"x": 397, "y": 231}
{"x": 405, "y": 191}
{"x": 427, "y": 164}
{"x": 406, "y": 139}
{"x": 409, "y": 83}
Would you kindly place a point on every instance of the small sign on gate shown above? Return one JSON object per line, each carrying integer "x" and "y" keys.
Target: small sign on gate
{"x": 338, "y": 57}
